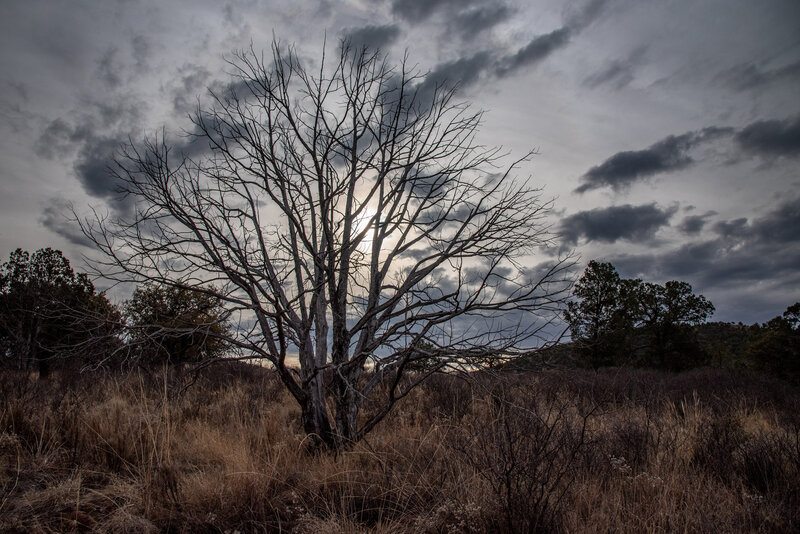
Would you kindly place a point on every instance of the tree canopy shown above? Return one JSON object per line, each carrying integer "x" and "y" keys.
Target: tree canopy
{"x": 616, "y": 321}
{"x": 176, "y": 325}
{"x": 49, "y": 313}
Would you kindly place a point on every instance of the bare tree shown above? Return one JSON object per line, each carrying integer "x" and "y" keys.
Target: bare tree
{"x": 349, "y": 215}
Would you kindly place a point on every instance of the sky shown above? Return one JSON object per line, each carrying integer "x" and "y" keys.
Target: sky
{"x": 667, "y": 132}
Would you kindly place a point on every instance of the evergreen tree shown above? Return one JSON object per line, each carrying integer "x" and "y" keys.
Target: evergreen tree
{"x": 50, "y": 313}
{"x": 601, "y": 317}
{"x": 616, "y": 321}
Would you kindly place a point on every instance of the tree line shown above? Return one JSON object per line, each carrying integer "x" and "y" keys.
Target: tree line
{"x": 51, "y": 317}
{"x": 628, "y": 322}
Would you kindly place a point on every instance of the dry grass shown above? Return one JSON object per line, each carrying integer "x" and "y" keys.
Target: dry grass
{"x": 574, "y": 451}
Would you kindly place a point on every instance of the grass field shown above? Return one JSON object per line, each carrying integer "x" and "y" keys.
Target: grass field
{"x": 557, "y": 451}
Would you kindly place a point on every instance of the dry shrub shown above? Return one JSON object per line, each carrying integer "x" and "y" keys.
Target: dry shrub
{"x": 524, "y": 446}
{"x": 576, "y": 451}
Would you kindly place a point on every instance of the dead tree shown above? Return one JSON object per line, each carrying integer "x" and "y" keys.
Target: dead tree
{"x": 346, "y": 215}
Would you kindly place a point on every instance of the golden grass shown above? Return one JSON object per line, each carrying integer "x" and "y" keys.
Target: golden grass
{"x": 625, "y": 451}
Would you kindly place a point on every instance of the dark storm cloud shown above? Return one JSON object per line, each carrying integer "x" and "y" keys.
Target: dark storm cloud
{"x": 764, "y": 138}
{"x": 207, "y": 128}
{"x": 501, "y": 278}
{"x": 712, "y": 264}
{"x": 732, "y": 228}
{"x": 667, "y": 155}
{"x": 749, "y": 76}
{"x": 747, "y": 278}
{"x": 771, "y": 137}
{"x": 114, "y": 117}
{"x": 780, "y": 226}
{"x": 631, "y": 223}
{"x": 617, "y": 73}
{"x": 92, "y": 168}
{"x": 372, "y": 37}
{"x": 471, "y": 22}
{"x": 693, "y": 224}
{"x": 535, "y": 51}
{"x": 542, "y": 46}
{"x": 95, "y": 154}
{"x": 764, "y": 251}
{"x": 464, "y": 17}
{"x": 57, "y": 217}
{"x": 461, "y": 73}
{"x": 624, "y": 168}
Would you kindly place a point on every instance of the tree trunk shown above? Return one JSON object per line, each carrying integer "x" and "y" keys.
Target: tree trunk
{"x": 347, "y": 409}
{"x": 315, "y": 419}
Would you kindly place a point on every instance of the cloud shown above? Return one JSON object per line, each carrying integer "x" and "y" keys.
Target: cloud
{"x": 693, "y": 224}
{"x": 781, "y": 225}
{"x": 109, "y": 69}
{"x": 372, "y": 37}
{"x": 618, "y": 73}
{"x": 94, "y": 148}
{"x": 461, "y": 73}
{"x": 667, "y": 155}
{"x": 747, "y": 76}
{"x": 777, "y": 227}
{"x": 192, "y": 80}
{"x": 419, "y": 10}
{"x": 750, "y": 257}
{"x": 472, "y": 21}
{"x": 470, "y": 17}
{"x": 59, "y": 138}
{"x": 578, "y": 19}
{"x": 465, "y": 17}
{"x": 631, "y": 223}
{"x": 732, "y": 228}
{"x": 20, "y": 89}
{"x": 141, "y": 51}
{"x": 771, "y": 137}
{"x": 88, "y": 142}
{"x": 740, "y": 274}
{"x": 542, "y": 46}
{"x": 535, "y": 51}
{"x": 92, "y": 168}
{"x": 762, "y": 138}
{"x": 56, "y": 218}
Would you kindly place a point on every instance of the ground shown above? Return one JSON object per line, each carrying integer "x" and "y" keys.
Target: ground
{"x": 559, "y": 450}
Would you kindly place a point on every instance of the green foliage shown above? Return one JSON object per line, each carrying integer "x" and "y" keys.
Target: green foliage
{"x": 49, "y": 313}
{"x": 176, "y": 325}
{"x": 617, "y": 321}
